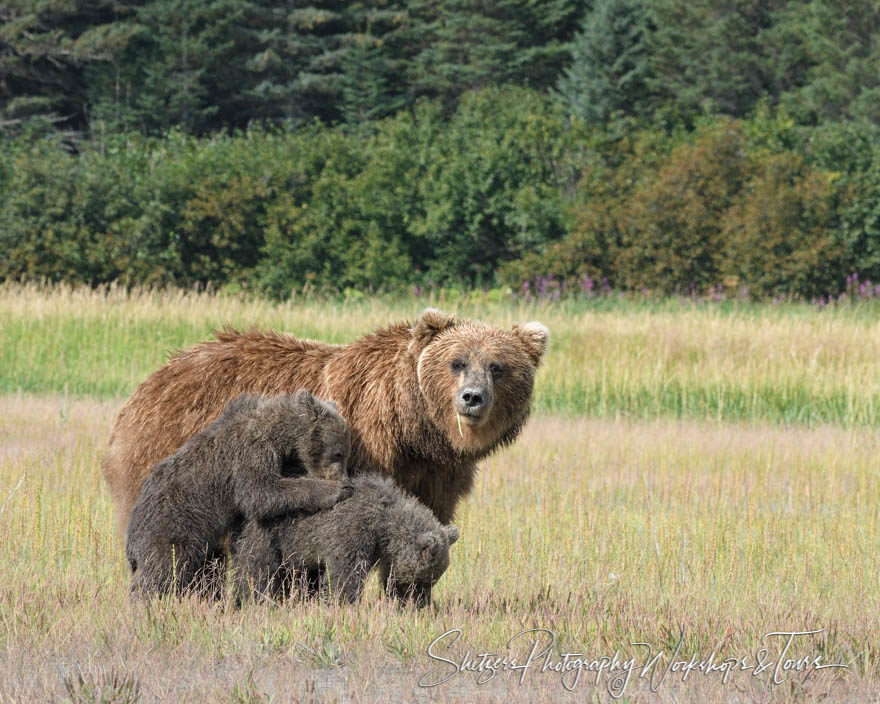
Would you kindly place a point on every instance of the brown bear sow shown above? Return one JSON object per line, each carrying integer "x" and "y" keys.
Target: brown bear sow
{"x": 380, "y": 525}
{"x": 243, "y": 467}
{"x": 425, "y": 400}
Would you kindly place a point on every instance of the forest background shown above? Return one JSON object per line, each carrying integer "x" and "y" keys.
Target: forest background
{"x": 539, "y": 149}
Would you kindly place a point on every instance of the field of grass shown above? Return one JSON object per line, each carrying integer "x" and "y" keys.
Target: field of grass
{"x": 607, "y": 523}
{"x": 609, "y": 359}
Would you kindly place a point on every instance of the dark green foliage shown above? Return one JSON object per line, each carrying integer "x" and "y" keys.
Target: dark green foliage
{"x": 171, "y": 211}
{"x": 181, "y": 66}
{"x": 610, "y": 70}
{"x": 859, "y": 226}
{"x": 202, "y": 65}
{"x": 492, "y": 185}
{"x": 340, "y": 225}
{"x": 710, "y": 56}
{"x": 390, "y": 143}
{"x": 366, "y": 83}
{"x": 464, "y": 44}
{"x": 716, "y": 209}
{"x": 332, "y": 60}
{"x": 779, "y": 236}
{"x": 671, "y": 223}
{"x": 502, "y": 191}
{"x": 851, "y": 151}
{"x": 416, "y": 199}
{"x": 43, "y": 46}
{"x": 836, "y": 47}
{"x": 421, "y": 201}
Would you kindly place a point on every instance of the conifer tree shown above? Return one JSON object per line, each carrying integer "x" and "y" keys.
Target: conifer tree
{"x": 610, "y": 65}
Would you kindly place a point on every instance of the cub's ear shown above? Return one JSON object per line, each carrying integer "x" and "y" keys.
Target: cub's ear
{"x": 430, "y": 324}
{"x": 305, "y": 401}
{"x": 302, "y": 396}
{"x": 535, "y": 338}
{"x": 332, "y": 405}
{"x": 451, "y": 533}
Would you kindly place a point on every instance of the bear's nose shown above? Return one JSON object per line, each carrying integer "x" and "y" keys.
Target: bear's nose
{"x": 472, "y": 398}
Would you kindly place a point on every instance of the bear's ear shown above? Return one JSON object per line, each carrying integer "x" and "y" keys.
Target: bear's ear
{"x": 307, "y": 402}
{"x": 303, "y": 396}
{"x": 535, "y": 337}
{"x": 430, "y": 324}
{"x": 332, "y": 405}
{"x": 451, "y": 533}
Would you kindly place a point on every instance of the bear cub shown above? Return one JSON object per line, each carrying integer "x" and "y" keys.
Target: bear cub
{"x": 263, "y": 457}
{"x": 333, "y": 551}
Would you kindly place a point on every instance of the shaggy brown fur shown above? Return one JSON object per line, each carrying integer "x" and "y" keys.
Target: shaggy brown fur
{"x": 380, "y": 525}
{"x": 425, "y": 400}
{"x": 240, "y": 468}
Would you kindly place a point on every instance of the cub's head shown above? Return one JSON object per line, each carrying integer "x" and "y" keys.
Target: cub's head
{"x": 415, "y": 567}
{"x": 476, "y": 379}
{"x": 325, "y": 439}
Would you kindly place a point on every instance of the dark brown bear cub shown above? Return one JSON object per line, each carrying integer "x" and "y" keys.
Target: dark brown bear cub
{"x": 380, "y": 525}
{"x": 245, "y": 466}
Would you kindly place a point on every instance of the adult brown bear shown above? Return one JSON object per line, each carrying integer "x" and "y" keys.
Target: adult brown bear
{"x": 425, "y": 400}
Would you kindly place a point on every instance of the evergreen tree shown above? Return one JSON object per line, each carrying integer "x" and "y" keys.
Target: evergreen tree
{"x": 836, "y": 47}
{"x": 710, "y": 56}
{"x": 610, "y": 65}
{"x": 183, "y": 67}
{"x": 331, "y": 60}
{"x": 43, "y": 49}
{"x": 296, "y": 67}
{"x": 365, "y": 82}
{"x": 460, "y": 45}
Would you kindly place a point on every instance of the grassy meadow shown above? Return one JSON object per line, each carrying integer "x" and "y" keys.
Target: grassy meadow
{"x": 693, "y": 473}
{"x": 609, "y": 358}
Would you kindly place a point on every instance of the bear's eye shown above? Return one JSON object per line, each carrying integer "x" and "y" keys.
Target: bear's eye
{"x": 496, "y": 370}
{"x": 457, "y": 366}
{"x": 338, "y": 456}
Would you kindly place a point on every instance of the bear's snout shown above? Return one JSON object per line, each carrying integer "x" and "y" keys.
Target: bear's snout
{"x": 474, "y": 401}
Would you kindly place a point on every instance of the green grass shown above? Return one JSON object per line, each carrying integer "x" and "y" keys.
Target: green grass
{"x": 612, "y": 358}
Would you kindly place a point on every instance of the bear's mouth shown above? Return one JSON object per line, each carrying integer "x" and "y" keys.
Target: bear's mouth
{"x": 472, "y": 420}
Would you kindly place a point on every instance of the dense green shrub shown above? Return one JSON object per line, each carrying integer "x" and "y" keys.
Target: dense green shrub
{"x": 671, "y": 224}
{"x": 851, "y": 151}
{"x": 504, "y": 191}
{"x": 646, "y": 214}
{"x": 492, "y": 186}
{"x": 779, "y": 236}
{"x": 419, "y": 197}
{"x": 724, "y": 207}
{"x": 337, "y": 227}
{"x": 177, "y": 210}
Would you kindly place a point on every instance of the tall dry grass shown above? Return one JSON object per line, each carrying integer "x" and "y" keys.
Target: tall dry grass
{"x": 605, "y": 532}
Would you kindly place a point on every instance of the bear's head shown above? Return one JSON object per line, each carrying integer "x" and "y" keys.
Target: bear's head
{"x": 476, "y": 379}
{"x": 416, "y": 566}
{"x": 329, "y": 436}
{"x": 315, "y": 440}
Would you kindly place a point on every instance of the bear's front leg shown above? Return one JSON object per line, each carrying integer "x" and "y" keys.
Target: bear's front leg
{"x": 295, "y": 495}
{"x": 343, "y": 579}
{"x": 258, "y": 564}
